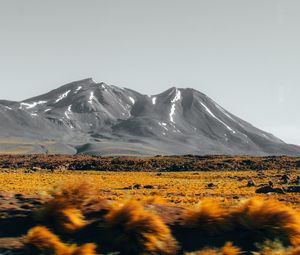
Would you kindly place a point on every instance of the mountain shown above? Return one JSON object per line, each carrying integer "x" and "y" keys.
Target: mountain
{"x": 96, "y": 118}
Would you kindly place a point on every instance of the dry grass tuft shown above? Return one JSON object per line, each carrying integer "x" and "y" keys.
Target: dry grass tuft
{"x": 134, "y": 230}
{"x": 268, "y": 219}
{"x": 270, "y": 251}
{"x": 73, "y": 195}
{"x": 63, "y": 209}
{"x": 208, "y": 217}
{"x": 227, "y": 249}
{"x": 230, "y": 249}
{"x": 70, "y": 219}
{"x": 63, "y": 218}
{"x": 206, "y": 251}
{"x": 86, "y": 249}
{"x": 40, "y": 239}
{"x": 276, "y": 248}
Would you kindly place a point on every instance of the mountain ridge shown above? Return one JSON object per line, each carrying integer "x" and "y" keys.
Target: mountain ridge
{"x": 96, "y": 118}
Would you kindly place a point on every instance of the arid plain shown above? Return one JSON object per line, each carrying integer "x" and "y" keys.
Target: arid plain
{"x": 158, "y": 205}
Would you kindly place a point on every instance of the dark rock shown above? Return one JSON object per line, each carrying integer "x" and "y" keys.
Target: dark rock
{"x": 268, "y": 189}
{"x": 211, "y": 185}
{"x": 247, "y": 162}
{"x": 149, "y": 187}
{"x": 19, "y": 196}
{"x": 293, "y": 189}
{"x": 285, "y": 178}
{"x": 279, "y": 190}
{"x": 137, "y": 186}
{"x": 250, "y": 183}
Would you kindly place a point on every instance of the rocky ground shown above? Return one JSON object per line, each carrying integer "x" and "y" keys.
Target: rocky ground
{"x": 157, "y": 163}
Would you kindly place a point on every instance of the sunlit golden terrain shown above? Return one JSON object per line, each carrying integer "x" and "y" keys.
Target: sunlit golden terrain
{"x": 180, "y": 187}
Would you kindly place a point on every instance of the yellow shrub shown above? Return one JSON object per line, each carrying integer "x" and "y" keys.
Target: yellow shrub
{"x": 208, "y": 217}
{"x": 74, "y": 195}
{"x": 63, "y": 209}
{"x": 86, "y": 249}
{"x": 43, "y": 240}
{"x": 268, "y": 219}
{"x": 70, "y": 219}
{"x": 227, "y": 249}
{"x": 134, "y": 230}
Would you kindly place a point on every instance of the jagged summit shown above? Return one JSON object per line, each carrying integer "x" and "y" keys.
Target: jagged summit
{"x": 90, "y": 117}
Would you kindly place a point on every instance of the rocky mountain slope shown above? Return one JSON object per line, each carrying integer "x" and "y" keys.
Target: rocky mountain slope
{"x": 96, "y": 118}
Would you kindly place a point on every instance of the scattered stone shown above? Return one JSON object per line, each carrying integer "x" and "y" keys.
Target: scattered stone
{"x": 137, "y": 186}
{"x": 247, "y": 162}
{"x": 34, "y": 168}
{"x": 211, "y": 185}
{"x": 268, "y": 189}
{"x": 19, "y": 196}
{"x": 250, "y": 182}
{"x": 285, "y": 178}
{"x": 293, "y": 189}
{"x": 279, "y": 190}
{"x": 149, "y": 187}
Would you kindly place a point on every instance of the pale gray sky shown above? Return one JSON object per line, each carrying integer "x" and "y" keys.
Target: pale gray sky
{"x": 245, "y": 54}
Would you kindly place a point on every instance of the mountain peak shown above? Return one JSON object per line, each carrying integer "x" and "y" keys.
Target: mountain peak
{"x": 92, "y": 117}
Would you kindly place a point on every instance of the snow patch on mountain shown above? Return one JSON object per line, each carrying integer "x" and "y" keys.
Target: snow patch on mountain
{"x": 173, "y": 107}
{"x": 91, "y": 98}
{"x": 172, "y": 112}
{"x": 68, "y": 112}
{"x": 154, "y": 100}
{"x": 30, "y": 105}
{"x": 163, "y": 125}
{"x": 214, "y": 116}
{"x": 132, "y": 100}
{"x": 62, "y": 96}
{"x": 177, "y": 96}
{"x": 78, "y": 88}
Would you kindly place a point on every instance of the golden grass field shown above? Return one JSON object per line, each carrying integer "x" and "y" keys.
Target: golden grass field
{"x": 68, "y": 212}
{"x": 180, "y": 187}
